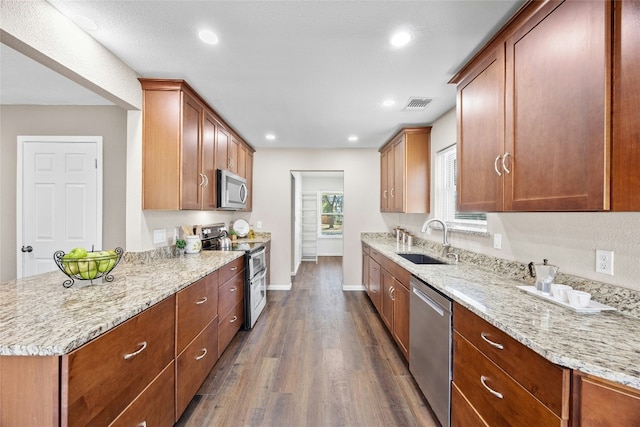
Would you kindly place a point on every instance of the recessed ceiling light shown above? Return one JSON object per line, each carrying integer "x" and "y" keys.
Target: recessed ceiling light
{"x": 84, "y": 22}
{"x": 400, "y": 39}
{"x": 388, "y": 102}
{"x": 270, "y": 136}
{"x": 208, "y": 37}
{"x": 353, "y": 138}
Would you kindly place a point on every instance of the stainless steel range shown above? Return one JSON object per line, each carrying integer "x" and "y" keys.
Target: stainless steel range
{"x": 255, "y": 277}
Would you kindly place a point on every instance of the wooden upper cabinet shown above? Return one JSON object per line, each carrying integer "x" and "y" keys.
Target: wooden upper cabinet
{"x": 249, "y": 178}
{"x": 556, "y": 106}
{"x": 404, "y": 163}
{"x": 534, "y": 113}
{"x": 625, "y": 174}
{"x": 183, "y": 143}
{"x": 480, "y": 109}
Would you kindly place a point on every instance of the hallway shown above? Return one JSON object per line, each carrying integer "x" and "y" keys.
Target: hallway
{"x": 317, "y": 357}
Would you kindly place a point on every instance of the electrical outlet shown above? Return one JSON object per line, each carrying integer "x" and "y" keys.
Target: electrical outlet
{"x": 604, "y": 262}
{"x": 497, "y": 241}
{"x": 258, "y": 224}
{"x": 159, "y": 236}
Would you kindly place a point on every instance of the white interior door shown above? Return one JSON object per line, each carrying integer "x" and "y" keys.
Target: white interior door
{"x": 59, "y": 204}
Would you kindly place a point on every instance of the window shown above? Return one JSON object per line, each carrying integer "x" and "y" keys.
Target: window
{"x": 447, "y": 174}
{"x": 330, "y": 213}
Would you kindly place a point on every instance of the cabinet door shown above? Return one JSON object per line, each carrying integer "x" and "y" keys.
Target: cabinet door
{"x": 384, "y": 180}
{"x": 480, "y": 109}
{"x": 556, "y": 107}
{"x": 232, "y": 152}
{"x": 249, "y": 177}
{"x": 223, "y": 139}
{"x": 399, "y": 159}
{"x": 388, "y": 286}
{"x": 598, "y": 402}
{"x": 374, "y": 284}
{"x": 401, "y": 302}
{"x": 365, "y": 270}
{"x": 625, "y": 174}
{"x": 242, "y": 160}
{"x": 209, "y": 126}
{"x": 191, "y": 189}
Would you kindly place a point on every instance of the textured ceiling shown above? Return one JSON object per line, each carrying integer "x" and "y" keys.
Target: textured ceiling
{"x": 311, "y": 72}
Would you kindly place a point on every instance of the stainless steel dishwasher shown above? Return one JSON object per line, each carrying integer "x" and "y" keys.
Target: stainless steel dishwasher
{"x": 430, "y": 346}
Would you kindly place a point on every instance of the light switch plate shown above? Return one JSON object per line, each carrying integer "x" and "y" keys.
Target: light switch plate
{"x": 258, "y": 224}
{"x": 497, "y": 241}
{"x": 159, "y": 236}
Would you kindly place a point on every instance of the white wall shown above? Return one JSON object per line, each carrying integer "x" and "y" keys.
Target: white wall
{"x": 272, "y": 202}
{"x": 568, "y": 240}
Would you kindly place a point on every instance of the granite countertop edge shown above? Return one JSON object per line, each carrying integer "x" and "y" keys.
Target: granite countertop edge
{"x": 604, "y": 344}
{"x": 39, "y": 317}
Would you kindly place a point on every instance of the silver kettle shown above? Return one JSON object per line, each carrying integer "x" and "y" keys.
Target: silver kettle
{"x": 224, "y": 240}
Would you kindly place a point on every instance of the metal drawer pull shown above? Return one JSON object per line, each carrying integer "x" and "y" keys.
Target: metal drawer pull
{"x": 202, "y": 301}
{"x": 204, "y": 353}
{"x": 234, "y": 268}
{"x": 393, "y": 193}
{"x": 384, "y": 194}
{"x": 137, "y": 352}
{"x": 507, "y": 154}
{"x": 494, "y": 344}
{"x": 495, "y": 165}
{"x": 233, "y": 289}
{"x": 492, "y": 391}
{"x": 142, "y": 424}
{"x": 233, "y": 319}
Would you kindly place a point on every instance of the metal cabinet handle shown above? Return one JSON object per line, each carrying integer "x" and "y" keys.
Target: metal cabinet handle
{"x": 233, "y": 268}
{"x": 504, "y": 158}
{"x": 204, "y": 353}
{"x": 206, "y": 180}
{"x": 201, "y": 180}
{"x": 499, "y": 346}
{"x": 495, "y": 165}
{"x": 483, "y": 380}
{"x": 233, "y": 319}
{"x": 142, "y": 424}
{"x": 233, "y": 289}
{"x": 26, "y": 249}
{"x": 384, "y": 194}
{"x": 392, "y": 191}
{"x": 392, "y": 292}
{"x": 202, "y": 301}
{"x": 137, "y": 352}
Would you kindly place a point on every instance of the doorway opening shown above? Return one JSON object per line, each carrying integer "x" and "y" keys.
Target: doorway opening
{"x": 317, "y": 203}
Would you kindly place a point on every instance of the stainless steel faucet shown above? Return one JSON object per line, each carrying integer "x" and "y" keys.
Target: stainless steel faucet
{"x": 445, "y": 234}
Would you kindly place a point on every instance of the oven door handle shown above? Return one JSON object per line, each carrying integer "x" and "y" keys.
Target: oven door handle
{"x": 259, "y": 276}
{"x": 259, "y": 252}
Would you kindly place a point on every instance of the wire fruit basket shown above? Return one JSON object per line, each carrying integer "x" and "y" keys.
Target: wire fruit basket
{"x": 95, "y": 265}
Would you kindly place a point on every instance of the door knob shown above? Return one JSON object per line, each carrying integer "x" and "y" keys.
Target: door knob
{"x": 26, "y": 249}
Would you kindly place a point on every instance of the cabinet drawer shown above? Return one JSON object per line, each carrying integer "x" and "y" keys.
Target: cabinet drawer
{"x": 514, "y": 407}
{"x": 462, "y": 413}
{"x": 230, "y": 293}
{"x": 365, "y": 248}
{"x": 402, "y": 275}
{"x": 105, "y": 375}
{"x": 194, "y": 364}
{"x": 547, "y": 381}
{"x": 197, "y": 305}
{"x": 154, "y": 407}
{"x": 228, "y": 326}
{"x": 227, "y": 271}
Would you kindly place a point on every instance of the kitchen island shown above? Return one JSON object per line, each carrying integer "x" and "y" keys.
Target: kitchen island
{"x": 104, "y": 352}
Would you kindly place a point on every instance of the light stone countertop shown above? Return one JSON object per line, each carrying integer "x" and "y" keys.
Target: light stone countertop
{"x": 605, "y": 344}
{"x": 38, "y": 316}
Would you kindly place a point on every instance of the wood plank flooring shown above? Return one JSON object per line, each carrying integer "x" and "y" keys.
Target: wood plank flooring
{"x": 317, "y": 357}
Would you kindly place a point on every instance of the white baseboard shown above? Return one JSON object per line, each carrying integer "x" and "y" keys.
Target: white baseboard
{"x": 349, "y": 288}
{"x": 279, "y": 287}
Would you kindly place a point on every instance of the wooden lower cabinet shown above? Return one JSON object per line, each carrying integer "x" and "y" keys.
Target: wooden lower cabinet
{"x": 375, "y": 288}
{"x": 194, "y": 364}
{"x": 505, "y": 383}
{"x": 598, "y": 402}
{"x": 154, "y": 406}
{"x": 101, "y": 378}
{"x": 463, "y": 414}
{"x": 229, "y": 325}
{"x": 401, "y": 318}
{"x": 388, "y": 288}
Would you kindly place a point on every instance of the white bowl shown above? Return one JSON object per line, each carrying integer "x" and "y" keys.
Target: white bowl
{"x": 578, "y": 299}
{"x": 559, "y": 291}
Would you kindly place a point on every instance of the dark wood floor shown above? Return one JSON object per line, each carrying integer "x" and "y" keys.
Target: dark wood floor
{"x": 317, "y": 356}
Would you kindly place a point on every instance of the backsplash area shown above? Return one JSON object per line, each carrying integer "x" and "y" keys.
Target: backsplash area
{"x": 627, "y": 301}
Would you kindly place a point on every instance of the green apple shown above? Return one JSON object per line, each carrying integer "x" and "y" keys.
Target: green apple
{"x": 88, "y": 268}
{"x": 70, "y": 264}
{"x": 78, "y": 253}
{"x": 106, "y": 261}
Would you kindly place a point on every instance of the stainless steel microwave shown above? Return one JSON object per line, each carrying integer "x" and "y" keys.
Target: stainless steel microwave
{"x": 232, "y": 191}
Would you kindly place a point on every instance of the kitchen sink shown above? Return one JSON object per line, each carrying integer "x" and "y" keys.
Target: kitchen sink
{"x": 421, "y": 259}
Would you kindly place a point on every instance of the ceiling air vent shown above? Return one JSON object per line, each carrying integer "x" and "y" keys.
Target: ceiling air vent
{"x": 417, "y": 104}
